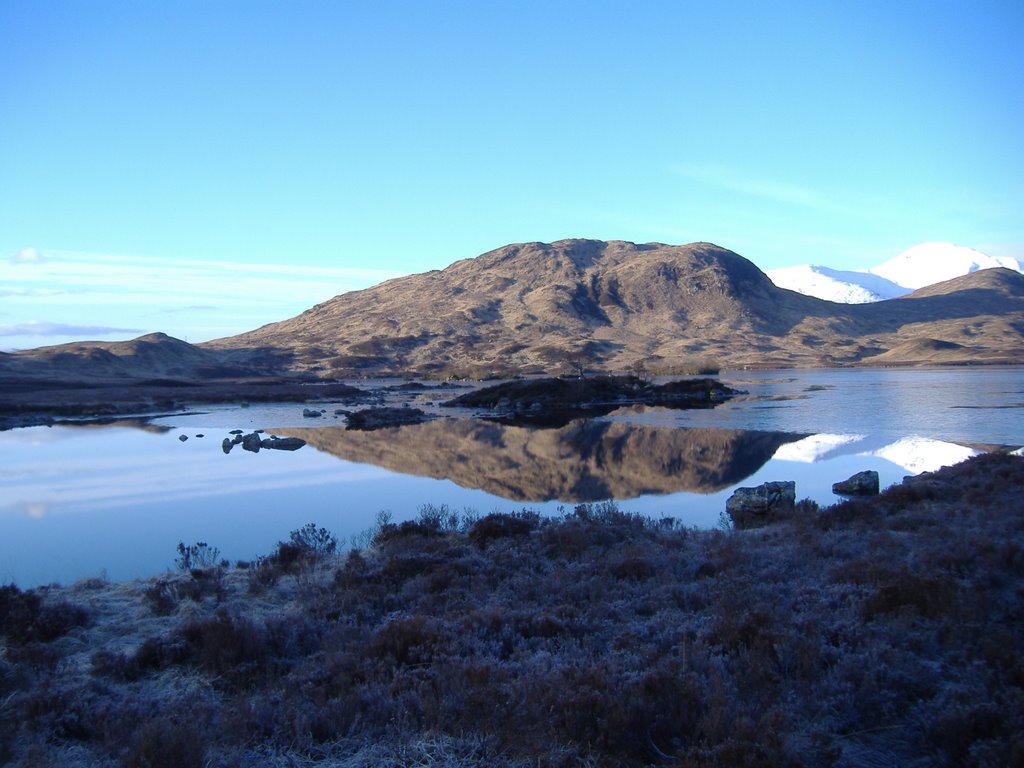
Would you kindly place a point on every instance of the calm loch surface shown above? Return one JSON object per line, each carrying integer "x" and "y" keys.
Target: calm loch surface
{"x": 114, "y": 500}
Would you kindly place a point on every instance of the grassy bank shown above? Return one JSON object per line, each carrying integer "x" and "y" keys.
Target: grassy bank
{"x": 881, "y": 632}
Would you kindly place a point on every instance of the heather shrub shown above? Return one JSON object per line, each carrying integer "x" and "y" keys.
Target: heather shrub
{"x": 408, "y": 641}
{"x": 263, "y": 572}
{"x": 162, "y": 596}
{"x": 306, "y": 547}
{"x": 158, "y": 652}
{"x": 316, "y": 542}
{"x": 409, "y": 529}
{"x": 225, "y": 645}
{"x": 438, "y": 517}
{"x": 432, "y": 520}
{"x": 352, "y": 571}
{"x": 289, "y": 556}
{"x": 24, "y": 618}
{"x": 888, "y": 633}
{"x": 167, "y": 742}
{"x": 574, "y": 537}
{"x": 978, "y": 733}
{"x": 114, "y": 665}
{"x": 904, "y": 495}
{"x": 196, "y": 556}
{"x": 499, "y": 525}
{"x": 634, "y": 567}
{"x": 929, "y": 596}
{"x": 849, "y": 512}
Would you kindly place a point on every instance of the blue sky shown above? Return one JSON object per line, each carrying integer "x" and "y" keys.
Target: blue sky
{"x": 205, "y": 167}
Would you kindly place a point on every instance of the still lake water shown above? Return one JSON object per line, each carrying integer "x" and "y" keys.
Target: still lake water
{"x": 88, "y": 500}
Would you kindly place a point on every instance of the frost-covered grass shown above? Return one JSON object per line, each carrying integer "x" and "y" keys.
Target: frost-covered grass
{"x": 881, "y": 632}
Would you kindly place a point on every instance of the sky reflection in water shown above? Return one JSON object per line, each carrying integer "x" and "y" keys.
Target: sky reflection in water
{"x": 84, "y": 501}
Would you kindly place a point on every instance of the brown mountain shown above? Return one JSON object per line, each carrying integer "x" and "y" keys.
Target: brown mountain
{"x": 155, "y": 355}
{"x": 612, "y": 305}
{"x": 587, "y": 460}
{"x": 540, "y": 307}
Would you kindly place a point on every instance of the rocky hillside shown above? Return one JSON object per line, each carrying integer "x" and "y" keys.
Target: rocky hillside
{"x": 612, "y": 305}
{"x": 566, "y": 306}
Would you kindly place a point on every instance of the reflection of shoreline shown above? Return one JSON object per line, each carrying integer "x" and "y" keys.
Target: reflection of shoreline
{"x": 587, "y": 460}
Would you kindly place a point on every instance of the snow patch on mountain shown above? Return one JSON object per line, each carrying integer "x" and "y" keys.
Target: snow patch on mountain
{"x": 842, "y": 286}
{"x": 917, "y": 267}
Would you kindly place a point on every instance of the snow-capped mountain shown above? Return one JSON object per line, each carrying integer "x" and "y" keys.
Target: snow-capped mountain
{"x": 843, "y": 286}
{"x": 916, "y": 267}
{"x": 930, "y": 263}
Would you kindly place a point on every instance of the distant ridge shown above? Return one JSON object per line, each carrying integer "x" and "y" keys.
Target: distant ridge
{"x": 612, "y": 305}
{"x": 558, "y": 307}
{"x": 155, "y": 355}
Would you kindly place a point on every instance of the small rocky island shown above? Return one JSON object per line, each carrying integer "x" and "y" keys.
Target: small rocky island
{"x": 370, "y": 419}
{"x": 557, "y": 400}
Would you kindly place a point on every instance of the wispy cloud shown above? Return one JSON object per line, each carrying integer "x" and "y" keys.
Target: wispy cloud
{"x": 189, "y": 308}
{"x": 126, "y": 278}
{"x": 35, "y": 293}
{"x": 27, "y": 256}
{"x": 44, "y": 328}
{"x": 188, "y": 298}
{"x": 735, "y": 180}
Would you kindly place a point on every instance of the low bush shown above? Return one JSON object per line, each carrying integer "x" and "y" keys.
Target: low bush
{"x": 931, "y": 596}
{"x": 167, "y": 742}
{"x": 196, "y": 556}
{"x": 409, "y": 641}
{"x": 225, "y": 645}
{"x": 499, "y": 525}
{"x": 413, "y": 529}
{"x": 262, "y": 573}
{"x": 316, "y": 542}
{"x": 25, "y": 618}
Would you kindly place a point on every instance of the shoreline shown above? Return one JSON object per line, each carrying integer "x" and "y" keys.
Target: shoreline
{"x": 39, "y": 402}
{"x": 23, "y": 407}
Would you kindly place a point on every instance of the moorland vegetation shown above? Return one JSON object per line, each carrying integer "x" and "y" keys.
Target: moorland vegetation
{"x": 879, "y": 631}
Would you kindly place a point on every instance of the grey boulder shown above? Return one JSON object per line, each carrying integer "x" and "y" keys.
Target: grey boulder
{"x": 861, "y": 484}
{"x": 754, "y": 507}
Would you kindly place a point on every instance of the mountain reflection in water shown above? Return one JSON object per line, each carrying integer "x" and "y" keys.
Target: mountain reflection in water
{"x": 586, "y": 460}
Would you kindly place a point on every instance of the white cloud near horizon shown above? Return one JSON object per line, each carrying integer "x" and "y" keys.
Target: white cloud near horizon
{"x": 108, "y": 277}
{"x": 27, "y": 256}
{"x": 44, "y": 328}
{"x": 47, "y": 292}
